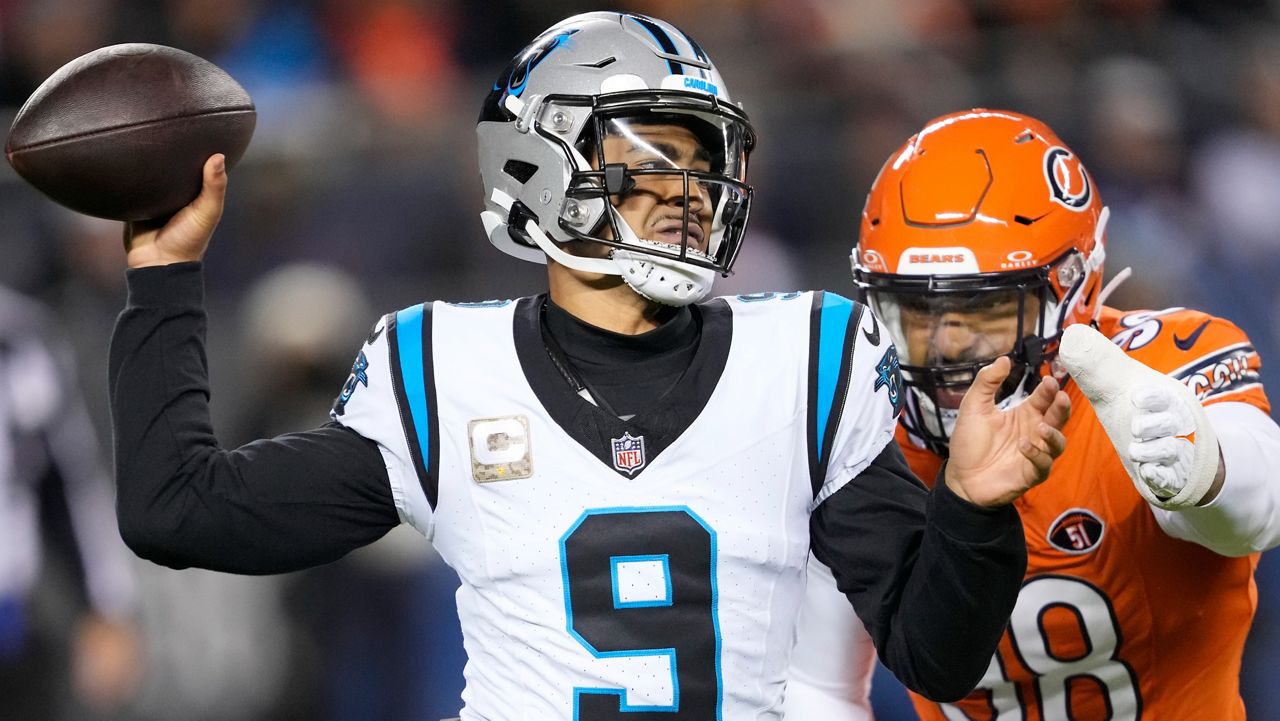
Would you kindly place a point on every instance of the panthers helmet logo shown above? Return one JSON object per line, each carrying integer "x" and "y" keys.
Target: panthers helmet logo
{"x": 517, "y": 74}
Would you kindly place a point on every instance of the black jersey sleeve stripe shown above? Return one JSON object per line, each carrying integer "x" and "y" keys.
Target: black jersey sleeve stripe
{"x": 432, "y": 452}
{"x": 833, "y": 322}
{"x": 845, "y": 342}
{"x": 409, "y": 335}
{"x": 811, "y": 422}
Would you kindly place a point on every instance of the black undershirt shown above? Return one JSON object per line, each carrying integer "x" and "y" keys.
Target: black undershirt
{"x": 933, "y": 578}
{"x": 653, "y": 361}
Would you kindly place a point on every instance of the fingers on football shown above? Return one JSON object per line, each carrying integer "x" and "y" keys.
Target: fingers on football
{"x": 1159, "y": 450}
{"x": 983, "y": 390}
{"x": 208, "y": 205}
{"x": 1147, "y": 426}
{"x": 215, "y": 170}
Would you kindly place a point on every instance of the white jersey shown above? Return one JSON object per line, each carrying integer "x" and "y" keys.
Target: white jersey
{"x": 834, "y": 658}
{"x": 649, "y": 565}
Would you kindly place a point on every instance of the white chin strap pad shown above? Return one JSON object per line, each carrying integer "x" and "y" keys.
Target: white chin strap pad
{"x": 1113, "y": 381}
{"x": 669, "y": 282}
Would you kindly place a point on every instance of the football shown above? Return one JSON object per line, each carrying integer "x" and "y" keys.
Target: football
{"x": 123, "y": 132}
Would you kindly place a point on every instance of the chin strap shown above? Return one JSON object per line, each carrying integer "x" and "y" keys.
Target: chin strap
{"x": 669, "y": 282}
{"x": 1111, "y": 286}
{"x": 661, "y": 280}
{"x": 604, "y": 266}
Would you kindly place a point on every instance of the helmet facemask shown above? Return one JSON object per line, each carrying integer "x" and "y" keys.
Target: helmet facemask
{"x": 947, "y": 328}
{"x": 980, "y": 207}
{"x": 559, "y": 185}
{"x": 658, "y": 188}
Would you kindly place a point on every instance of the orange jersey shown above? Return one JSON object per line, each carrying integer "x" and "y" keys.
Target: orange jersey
{"x": 1116, "y": 619}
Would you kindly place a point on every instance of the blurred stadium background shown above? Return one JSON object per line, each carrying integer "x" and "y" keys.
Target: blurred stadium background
{"x": 359, "y": 195}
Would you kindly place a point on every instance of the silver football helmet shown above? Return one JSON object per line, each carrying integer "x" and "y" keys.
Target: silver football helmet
{"x": 600, "y": 110}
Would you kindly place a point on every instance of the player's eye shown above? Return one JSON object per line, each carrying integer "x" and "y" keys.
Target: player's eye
{"x": 650, "y": 163}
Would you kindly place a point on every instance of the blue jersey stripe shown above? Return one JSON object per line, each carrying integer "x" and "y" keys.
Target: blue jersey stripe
{"x": 835, "y": 320}
{"x": 409, "y": 335}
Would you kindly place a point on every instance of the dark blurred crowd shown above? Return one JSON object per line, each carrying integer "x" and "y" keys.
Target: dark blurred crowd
{"x": 359, "y": 195}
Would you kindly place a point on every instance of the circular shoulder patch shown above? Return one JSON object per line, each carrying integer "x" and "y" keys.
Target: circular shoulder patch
{"x": 1077, "y": 530}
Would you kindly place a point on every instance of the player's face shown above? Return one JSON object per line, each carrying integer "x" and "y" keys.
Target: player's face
{"x": 943, "y": 330}
{"x": 655, "y": 206}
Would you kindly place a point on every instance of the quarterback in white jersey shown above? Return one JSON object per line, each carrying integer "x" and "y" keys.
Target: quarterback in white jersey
{"x": 651, "y": 564}
{"x": 629, "y": 479}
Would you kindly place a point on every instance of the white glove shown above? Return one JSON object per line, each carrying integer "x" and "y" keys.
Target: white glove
{"x": 1155, "y": 422}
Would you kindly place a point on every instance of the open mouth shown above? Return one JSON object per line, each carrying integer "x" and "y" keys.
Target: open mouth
{"x": 671, "y": 232}
{"x": 674, "y": 245}
{"x": 954, "y": 386}
{"x": 950, "y": 397}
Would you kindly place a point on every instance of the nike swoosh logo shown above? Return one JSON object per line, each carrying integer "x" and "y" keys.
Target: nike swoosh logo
{"x": 874, "y": 335}
{"x": 373, "y": 334}
{"x": 1186, "y": 343}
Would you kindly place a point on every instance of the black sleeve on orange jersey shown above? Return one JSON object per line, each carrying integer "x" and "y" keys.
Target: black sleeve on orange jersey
{"x": 275, "y": 505}
{"x": 934, "y": 578}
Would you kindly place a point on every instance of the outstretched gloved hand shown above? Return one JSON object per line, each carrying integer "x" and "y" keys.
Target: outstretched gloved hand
{"x": 1155, "y": 422}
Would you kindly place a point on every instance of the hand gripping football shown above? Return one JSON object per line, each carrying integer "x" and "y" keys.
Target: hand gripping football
{"x": 123, "y": 132}
{"x": 1116, "y": 386}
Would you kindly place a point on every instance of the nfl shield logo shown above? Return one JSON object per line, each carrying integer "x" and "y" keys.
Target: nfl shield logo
{"x": 628, "y": 453}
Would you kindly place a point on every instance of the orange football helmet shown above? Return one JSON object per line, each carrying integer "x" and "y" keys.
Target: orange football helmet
{"x": 979, "y": 211}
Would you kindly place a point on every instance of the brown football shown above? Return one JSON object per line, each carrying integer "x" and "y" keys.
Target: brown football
{"x": 123, "y": 132}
